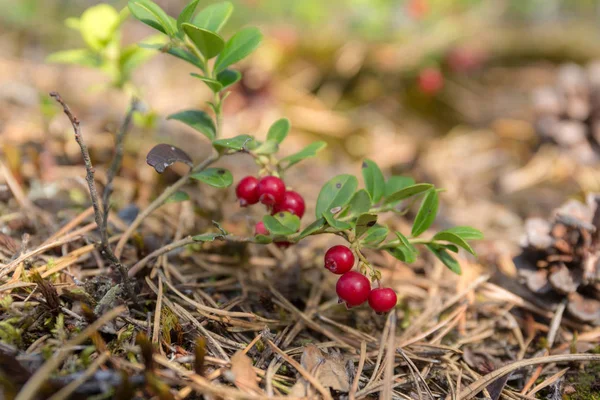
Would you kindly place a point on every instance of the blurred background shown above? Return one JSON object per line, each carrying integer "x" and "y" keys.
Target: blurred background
{"x": 492, "y": 100}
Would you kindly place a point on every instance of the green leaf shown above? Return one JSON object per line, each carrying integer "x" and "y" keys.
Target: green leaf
{"x": 216, "y": 177}
{"x": 359, "y": 204}
{"x": 228, "y": 77}
{"x": 279, "y": 130}
{"x": 454, "y": 238}
{"x": 186, "y": 14}
{"x": 374, "y": 180}
{"x": 411, "y": 251}
{"x": 309, "y": 151}
{"x": 98, "y": 25}
{"x": 263, "y": 239}
{"x": 238, "y": 47}
{"x": 213, "y": 85}
{"x": 426, "y": 214}
{"x": 237, "y": 143}
{"x": 186, "y": 56}
{"x": 282, "y": 224}
{"x": 133, "y": 56}
{"x": 466, "y": 232}
{"x": 402, "y": 254}
{"x": 177, "y": 197}
{"x": 152, "y": 15}
{"x": 396, "y": 183}
{"x": 335, "y": 193}
{"x": 209, "y": 43}
{"x": 336, "y": 224}
{"x": 450, "y": 247}
{"x": 199, "y": 120}
{"x": 407, "y": 192}
{"x": 446, "y": 258}
{"x": 375, "y": 235}
{"x": 364, "y": 223}
{"x": 84, "y": 57}
{"x": 314, "y": 227}
{"x": 207, "y": 237}
{"x": 214, "y": 17}
{"x": 267, "y": 147}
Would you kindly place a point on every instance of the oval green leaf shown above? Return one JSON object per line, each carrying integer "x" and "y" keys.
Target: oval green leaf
{"x": 216, "y": 177}
{"x": 396, "y": 183}
{"x": 313, "y": 228}
{"x": 237, "y": 143}
{"x": 407, "y": 192}
{"x": 199, "y": 120}
{"x": 309, "y": 151}
{"x": 228, "y": 77}
{"x": 177, "y": 197}
{"x": 279, "y": 130}
{"x": 466, "y": 232}
{"x": 282, "y": 224}
{"x": 374, "y": 180}
{"x": 336, "y": 193}
{"x": 152, "y": 15}
{"x": 375, "y": 235}
{"x": 336, "y": 224}
{"x": 445, "y": 258}
{"x": 213, "y": 85}
{"x": 426, "y": 214}
{"x": 208, "y": 43}
{"x": 238, "y": 47}
{"x": 214, "y": 17}
{"x": 186, "y": 14}
{"x": 454, "y": 238}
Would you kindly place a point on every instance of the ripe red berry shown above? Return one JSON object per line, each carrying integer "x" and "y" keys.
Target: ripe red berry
{"x": 382, "y": 299}
{"x": 260, "y": 229}
{"x": 431, "y": 80}
{"x": 353, "y": 288}
{"x": 292, "y": 202}
{"x": 339, "y": 259}
{"x": 247, "y": 191}
{"x": 271, "y": 190}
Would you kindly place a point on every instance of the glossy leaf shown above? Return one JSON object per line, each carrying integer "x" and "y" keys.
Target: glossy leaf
{"x": 375, "y": 235}
{"x": 374, "y": 180}
{"x": 163, "y": 155}
{"x": 152, "y": 15}
{"x": 314, "y": 227}
{"x": 364, "y": 223}
{"x": 177, "y": 197}
{"x": 466, "y": 232}
{"x": 407, "y": 192}
{"x": 238, "y": 47}
{"x": 279, "y": 130}
{"x": 335, "y": 193}
{"x": 214, "y": 17}
{"x": 216, "y": 177}
{"x": 309, "y": 151}
{"x": 208, "y": 43}
{"x": 426, "y": 214}
{"x": 213, "y": 85}
{"x": 359, "y": 204}
{"x": 410, "y": 248}
{"x": 282, "y": 224}
{"x": 335, "y": 223}
{"x": 237, "y": 143}
{"x": 445, "y": 257}
{"x": 396, "y": 183}
{"x": 454, "y": 238}
{"x": 186, "y": 14}
{"x": 199, "y": 120}
{"x": 228, "y": 77}
{"x": 186, "y": 56}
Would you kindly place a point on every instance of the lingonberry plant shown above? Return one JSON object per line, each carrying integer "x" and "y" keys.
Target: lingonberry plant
{"x": 342, "y": 208}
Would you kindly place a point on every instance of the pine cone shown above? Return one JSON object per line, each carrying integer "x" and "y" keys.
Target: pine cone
{"x": 561, "y": 257}
{"x": 568, "y": 113}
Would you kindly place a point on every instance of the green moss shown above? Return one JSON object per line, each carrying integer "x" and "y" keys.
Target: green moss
{"x": 585, "y": 384}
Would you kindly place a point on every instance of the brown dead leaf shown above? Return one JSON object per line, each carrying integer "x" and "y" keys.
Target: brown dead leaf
{"x": 329, "y": 369}
{"x": 244, "y": 376}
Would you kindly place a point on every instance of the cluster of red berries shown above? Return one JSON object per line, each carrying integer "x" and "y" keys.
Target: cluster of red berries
{"x": 271, "y": 192}
{"x": 354, "y": 288}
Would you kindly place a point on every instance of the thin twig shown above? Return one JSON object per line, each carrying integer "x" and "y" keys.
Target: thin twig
{"x": 105, "y": 250}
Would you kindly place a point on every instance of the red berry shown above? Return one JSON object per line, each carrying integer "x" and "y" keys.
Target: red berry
{"x": 283, "y": 245}
{"x": 431, "y": 80}
{"x": 382, "y": 299}
{"x": 292, "y": 202}
{"x": 339, "y": 259}
{"x": 271, "y": 190}
{"x": 261, "y": 229}
{"x": 247, "y": 191}
{"x": 353, "y": 288}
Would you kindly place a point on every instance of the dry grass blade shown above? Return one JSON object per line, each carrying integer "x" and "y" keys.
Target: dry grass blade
{"x": 386, "y": 392}
{"x": 548, "y": 381}
{"x": 30, "y": 390}
{"x": 305, "y": 374}
{"x": 474, "y": 388}
{"x": 361, "y": 365}
{"x": 68, "y": 390}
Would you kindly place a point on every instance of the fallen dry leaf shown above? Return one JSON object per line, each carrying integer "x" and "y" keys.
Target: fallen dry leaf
{"x": 244, "y": 376}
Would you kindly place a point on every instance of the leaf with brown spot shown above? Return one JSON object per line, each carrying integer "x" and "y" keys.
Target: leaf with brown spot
{"x": 164, "y": 155}
{"x": 244, "y": 376}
